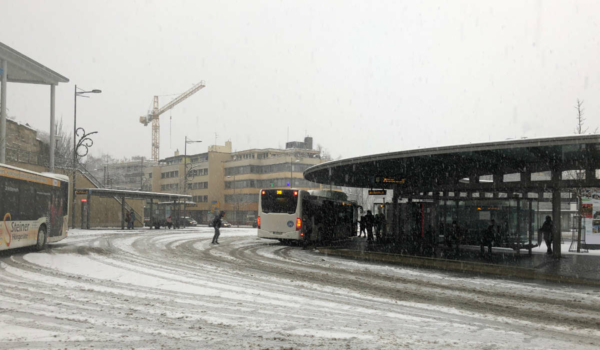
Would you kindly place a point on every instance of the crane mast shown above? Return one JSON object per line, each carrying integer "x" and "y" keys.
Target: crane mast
{"x": 154, "y": 114}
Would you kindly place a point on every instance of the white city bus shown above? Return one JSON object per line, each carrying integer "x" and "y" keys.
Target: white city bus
{"x": 33, "y": 208}
{"x": 281, "y": 215}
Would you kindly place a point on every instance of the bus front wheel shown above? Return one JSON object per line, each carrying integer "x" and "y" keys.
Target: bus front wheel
{"x": 41, "y": 239}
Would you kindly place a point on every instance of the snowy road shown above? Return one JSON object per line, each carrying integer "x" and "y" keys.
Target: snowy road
{"x": 173, "y": 289}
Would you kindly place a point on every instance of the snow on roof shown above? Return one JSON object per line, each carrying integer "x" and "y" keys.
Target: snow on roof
{"x": 45, "y": 174}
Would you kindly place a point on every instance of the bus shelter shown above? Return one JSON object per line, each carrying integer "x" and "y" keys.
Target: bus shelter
{"x": 177, "y": 199}
{"x": 18, "y": 68}
{"x": 434, "y": 185}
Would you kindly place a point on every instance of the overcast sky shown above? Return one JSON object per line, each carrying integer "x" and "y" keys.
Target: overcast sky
{"x": 361, "y": 77}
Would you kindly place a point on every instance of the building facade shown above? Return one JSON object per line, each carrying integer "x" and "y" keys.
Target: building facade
{"x": 224, "y": 180}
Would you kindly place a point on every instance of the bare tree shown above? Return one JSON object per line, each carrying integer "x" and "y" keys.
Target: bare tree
{"x": 580, "y": 129}
{"x": 324, "y": 153}
{"x": 63, "y": 150}
{"x": 579, "y": 174}
{"x": 580, "y": 119}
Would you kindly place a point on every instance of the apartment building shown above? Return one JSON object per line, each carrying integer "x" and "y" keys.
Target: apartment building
{"x": 204, "y": 180}
{"x": 224, "y": 180}
{"x": 249, "y": 171}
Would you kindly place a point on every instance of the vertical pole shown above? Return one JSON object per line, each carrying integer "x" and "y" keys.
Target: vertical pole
{"x": 235, "y": 199}
{"x": 395, "y": 221}
{"x": 52, "y": 125}
{"x": 74, "y": 151}
{"x": 122, "y": 213}
{"x": 142, "y": 176}
{"x": 89, "y": 209}
{"x": 530, "y": 224}
{"x": 518, "y": 228}
{"x": 151, "y": 212}
{"x": 3, "y": 112}
{"x": 83, "y": 207}
{"x": 556, "y": 211}
{"x": 184, "y": 176}
{"x": 578, "y": 224}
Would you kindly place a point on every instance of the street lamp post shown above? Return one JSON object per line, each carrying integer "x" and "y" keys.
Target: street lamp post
{"x": 83, "y": 141}
{"x": 185, "y": 170}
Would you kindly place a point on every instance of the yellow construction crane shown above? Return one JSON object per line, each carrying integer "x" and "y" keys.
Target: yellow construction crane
{"x": 154, "y": 114}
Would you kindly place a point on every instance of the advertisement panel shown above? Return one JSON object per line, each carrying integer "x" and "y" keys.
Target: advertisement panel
{"x": 590, "y": 206}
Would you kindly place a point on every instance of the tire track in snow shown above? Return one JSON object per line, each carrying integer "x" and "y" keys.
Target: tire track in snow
{"x": 174, "y": 289}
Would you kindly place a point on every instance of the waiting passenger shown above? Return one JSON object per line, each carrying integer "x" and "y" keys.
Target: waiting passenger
{"x": 546, "y": 230}
{"x": 132, "y": 219}
{"x": 377, "y": 225}
{"x": 488, "y": 237}
{"x": 369, "y": 221}
{"x": 362, "y": 225}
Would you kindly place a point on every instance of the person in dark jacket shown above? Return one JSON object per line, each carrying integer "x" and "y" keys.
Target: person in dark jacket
{"x": 488, "y": 237}
{"x": 132, "y": 219}
{"x": 128, "y": 219}
{"x": 546, "y": 230}
{"x": 362, "y": 225}
{"x": 369, "y": 221}
{"x": 217, "y": 222}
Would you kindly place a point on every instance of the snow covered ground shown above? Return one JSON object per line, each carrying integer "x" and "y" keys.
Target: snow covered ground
{"x": 172, "y": 289}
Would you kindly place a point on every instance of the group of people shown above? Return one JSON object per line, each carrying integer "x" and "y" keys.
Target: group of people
{"x": 130, "y": 219}
{"x": 490, "y": 235}
{"x": 369, "y": 222}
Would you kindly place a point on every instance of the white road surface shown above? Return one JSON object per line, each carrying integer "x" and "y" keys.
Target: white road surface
{"x": 172, "y": 289}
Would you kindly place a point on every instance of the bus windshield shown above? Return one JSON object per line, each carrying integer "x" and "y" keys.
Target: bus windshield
{"x": 279, "y": 201}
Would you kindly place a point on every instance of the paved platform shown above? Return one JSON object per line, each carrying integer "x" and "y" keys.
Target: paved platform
{"x": 583, "y": 268}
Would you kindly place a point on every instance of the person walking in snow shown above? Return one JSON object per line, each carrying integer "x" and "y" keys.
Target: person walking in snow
{"x": 217, "y": 221}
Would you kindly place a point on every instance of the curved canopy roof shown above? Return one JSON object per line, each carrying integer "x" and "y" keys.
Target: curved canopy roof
{"x": 442, "y": 168}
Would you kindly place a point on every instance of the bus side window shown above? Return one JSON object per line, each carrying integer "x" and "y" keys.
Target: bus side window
{"x": 42, "y": 202}
{"x": 64, "y": 188}
{"x": 11, "y": 199}
{"x": 27, "y": 206}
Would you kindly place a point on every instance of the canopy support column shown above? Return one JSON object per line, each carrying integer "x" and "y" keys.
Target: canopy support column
{"x": 556, "y": 211}
{"x": 395, "y": 221}
{"x": 3, "y": 112}
{"x": 151, "y": 213}
{"x": 52, "y": 127}
{"x": 122, "y": 213}
{"x": 518, "y": 228}
{"x": 89, "y": 209}
{"x": 530, "y": 222}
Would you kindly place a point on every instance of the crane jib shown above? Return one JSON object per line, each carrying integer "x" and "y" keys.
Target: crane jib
{"x": 156, "y": 112}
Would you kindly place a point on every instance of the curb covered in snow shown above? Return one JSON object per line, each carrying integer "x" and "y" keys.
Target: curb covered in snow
{"x": 457, "y": 265}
